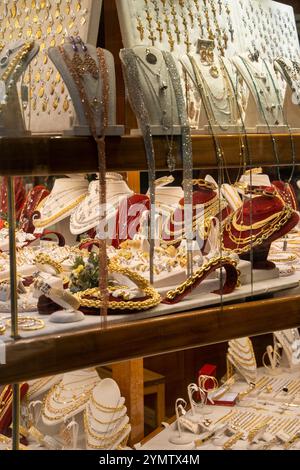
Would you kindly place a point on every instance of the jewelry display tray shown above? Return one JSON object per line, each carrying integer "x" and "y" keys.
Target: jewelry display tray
{"x": 200, "y": 300}
{"x": 161, "y": 440}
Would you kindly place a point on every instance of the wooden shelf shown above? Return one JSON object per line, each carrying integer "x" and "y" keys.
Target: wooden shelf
{"x": 58, "y": 155}
{"x": 47, "y": 355}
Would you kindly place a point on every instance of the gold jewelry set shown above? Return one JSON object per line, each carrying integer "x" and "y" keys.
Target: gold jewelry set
{"x": 56, "y": 414}
{"x": 241, "y": 355}
{"x": 267, "y": 229}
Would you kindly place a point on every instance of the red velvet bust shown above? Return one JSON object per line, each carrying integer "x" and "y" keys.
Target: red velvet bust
{"x": 205, "y": 202}
{"x": 279, "y": 219}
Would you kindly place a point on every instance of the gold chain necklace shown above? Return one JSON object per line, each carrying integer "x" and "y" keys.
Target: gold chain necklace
{"x": 106, "y": 409}
{"x": 255, "y": 226}
{"x": 63, "y": 411}
{"x": 92, "y": 416}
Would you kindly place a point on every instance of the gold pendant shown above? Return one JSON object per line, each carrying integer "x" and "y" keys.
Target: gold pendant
{"x": 37, "y": 76}
{"x": 42, "y": 46}
{"x": 39, "y": 33}
{"x": 57, "y": 13}
{"x": 49, "y": 30}
{"x": 68, "y": 8}
{"x": 63, "y": 89}
{"x": 59, "y": 28}
{"x": 41, "y": 91}
{"x": 53, "y": 42}
{"x": 35, "y": 19}
{"x": 52, "y": 89}
{"x": 55, "y": 102}
{"x": 29, "y": 32}
{"x": 48, "y": 75}
{"x": 214, "y": 72}
{"x": 45, "y": 105}
{"x": 71, "y": 24}
{"x": 78, "y": 5}
{"x": 57, "y": 78}
{"x": 14, "y": 10}
{"x": 45, "y": 59}
{"x": 66, "y": 105}
{"x": 43, "y": 4}
{"x": 33, "y": 3}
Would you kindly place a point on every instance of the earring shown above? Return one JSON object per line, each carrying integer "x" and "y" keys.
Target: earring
{"x": 77, "y": 62}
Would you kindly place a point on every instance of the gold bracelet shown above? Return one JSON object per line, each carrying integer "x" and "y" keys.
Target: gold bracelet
{"x": 44, "y": 259}
{"x": 28, "y": 323}
{"x": 233, "y": 440}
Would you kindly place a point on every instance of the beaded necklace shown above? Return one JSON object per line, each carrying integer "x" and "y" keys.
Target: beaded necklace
{"x": 100, "y": 141}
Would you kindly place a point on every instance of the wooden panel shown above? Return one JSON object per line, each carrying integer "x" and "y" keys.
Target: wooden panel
{"x": 52, "y": 354}
{"x": 130, "y": 378}
{"x": 46, "y": 155}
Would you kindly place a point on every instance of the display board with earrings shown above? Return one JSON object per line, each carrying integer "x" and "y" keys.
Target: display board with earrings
{"x": 46, "y": 103}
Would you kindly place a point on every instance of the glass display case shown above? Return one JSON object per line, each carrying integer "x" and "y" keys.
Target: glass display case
{"x": 149, "y": 205}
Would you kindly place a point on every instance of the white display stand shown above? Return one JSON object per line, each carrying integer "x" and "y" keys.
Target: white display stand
{"x": 158, "y": 92}
{"x": 220, "y": 107}
{"x": 93, "y": 88}
{"x": 291, "y": 102}
{"x": 259, "y": 75}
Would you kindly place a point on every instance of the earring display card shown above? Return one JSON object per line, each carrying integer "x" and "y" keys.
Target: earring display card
{"x": 49, "y": 108}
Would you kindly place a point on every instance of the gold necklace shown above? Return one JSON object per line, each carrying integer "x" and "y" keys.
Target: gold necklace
{"x": 15, "y": 62}
{"x": 106, "y": 409}
{"x": 97, "y": 435}
{"x": 126, "y": 431}
{"x": 43, "y": 223}
{"x": 241, "y": 347}
{"x": 239, "y": 360}
{"x": 255, "y": 226}
{"x": 258, "y": 239}
{"x": 63, "y": 411}
{"x": 92, "y": 416}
